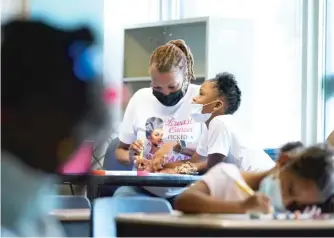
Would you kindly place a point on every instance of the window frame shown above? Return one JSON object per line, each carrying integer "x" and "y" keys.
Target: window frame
{"x": 312, "y": 69}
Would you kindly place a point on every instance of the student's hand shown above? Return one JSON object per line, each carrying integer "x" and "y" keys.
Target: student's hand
{"x": 258, "y": 203}
{"x": 137, "y": 147}
{"x": 311, "y": 210}
{"x": 159, "y": 158}
{"x": 158, "y": 161}
{"x": 142, "y": 164}
{"x": 187, "y": 168}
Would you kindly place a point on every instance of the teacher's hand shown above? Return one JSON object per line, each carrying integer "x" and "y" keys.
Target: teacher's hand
{"x": 137, "y": 147}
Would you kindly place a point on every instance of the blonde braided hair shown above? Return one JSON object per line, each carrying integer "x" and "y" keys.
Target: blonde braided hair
{"x": 174, "y": 54}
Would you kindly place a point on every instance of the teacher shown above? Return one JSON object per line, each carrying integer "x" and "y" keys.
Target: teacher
{"x": 168, "y": 101}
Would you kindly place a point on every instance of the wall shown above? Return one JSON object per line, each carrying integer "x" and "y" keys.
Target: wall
{"x": 271, "y": 104}
{"x": 117, "y": 15}
{"x": 12, "y": 8}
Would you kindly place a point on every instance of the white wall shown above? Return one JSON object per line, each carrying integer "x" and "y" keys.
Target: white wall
{"x": 117, "y": 15}
{"x": 11, "y": 8}
{"x": 274, "y": 92}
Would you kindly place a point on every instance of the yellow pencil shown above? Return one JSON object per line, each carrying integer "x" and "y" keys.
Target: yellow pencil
{"x": 142, "y": 152}
{"x": 244, "y": 187}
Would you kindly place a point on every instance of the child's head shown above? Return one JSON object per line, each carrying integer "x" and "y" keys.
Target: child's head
{"x": 154, "y": 130}
{"x": 51, "y": 98}
{"x": 307, "y": 177}
{"x": 220, "y": 95}
{"x": 287, "y": 150}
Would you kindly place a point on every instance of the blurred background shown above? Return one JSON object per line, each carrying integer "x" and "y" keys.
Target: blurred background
{"x": 284, "y": 64}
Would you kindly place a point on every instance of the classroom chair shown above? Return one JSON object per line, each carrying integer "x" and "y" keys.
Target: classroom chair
{"x": 111, "y": 163}
{"x": 6, "y": 233}
{"x": 73, "y": 228}
{"x": 106, "y": 209}
{"x": 70, "y": 202}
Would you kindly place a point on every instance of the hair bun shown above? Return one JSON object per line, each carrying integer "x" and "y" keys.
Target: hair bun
{"x": 181, "y": 44}
{"x": 178, "y": 42}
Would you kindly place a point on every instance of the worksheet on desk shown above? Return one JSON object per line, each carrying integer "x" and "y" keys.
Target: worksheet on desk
{"x": 227, "y": 216}
{"x": 139, "y": 173}
{"x": 280, "y": 216}
{"x": 240, "y": 217}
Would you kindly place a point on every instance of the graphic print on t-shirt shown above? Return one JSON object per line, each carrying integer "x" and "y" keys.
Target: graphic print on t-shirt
{"x": 153, "y": 135}
{"x": 167, "y": 129}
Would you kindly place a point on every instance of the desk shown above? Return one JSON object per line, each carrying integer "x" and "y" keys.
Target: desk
{"x": 163, "y": 180}
{"x": 76, "y": 222}
{"x": 71, "y": 214}
{"x": 131, "y": 225}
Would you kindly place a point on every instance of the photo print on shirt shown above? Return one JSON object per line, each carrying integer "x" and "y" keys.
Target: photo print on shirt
{"x": 154, "y": 134}
{"x": 161, "y": 130}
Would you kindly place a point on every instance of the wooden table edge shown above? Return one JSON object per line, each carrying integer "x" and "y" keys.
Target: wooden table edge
{"x": 72, "y": 214}
{"x": 214, "y": 223}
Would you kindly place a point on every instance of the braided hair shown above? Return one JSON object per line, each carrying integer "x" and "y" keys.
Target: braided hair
{"x": 174, "y": 54}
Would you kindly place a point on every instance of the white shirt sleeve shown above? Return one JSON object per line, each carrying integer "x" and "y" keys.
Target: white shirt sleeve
{"x": 219, "y": 138}
{"x": 218, "y": 182}
{"x": 202, "y": 147}
{"x": 127, "y": 133}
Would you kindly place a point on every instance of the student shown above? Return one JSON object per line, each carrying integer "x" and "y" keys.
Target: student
{"x": 50, "y": 104}
{"x": 300, "y": 177}
{"x": 218, "y": 100}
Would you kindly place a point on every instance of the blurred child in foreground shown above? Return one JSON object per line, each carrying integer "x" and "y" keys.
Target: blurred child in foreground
{"x": 51, "y": 103}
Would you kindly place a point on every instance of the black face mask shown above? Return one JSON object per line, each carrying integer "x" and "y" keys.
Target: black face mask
{"x": 169, "y": 100}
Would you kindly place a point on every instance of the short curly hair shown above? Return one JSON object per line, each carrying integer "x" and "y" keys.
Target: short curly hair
{"x": 228, "y": 87}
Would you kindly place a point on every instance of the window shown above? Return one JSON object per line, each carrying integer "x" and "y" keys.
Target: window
{"x": 328, "y": 82}
{"x": 271, "y": 105}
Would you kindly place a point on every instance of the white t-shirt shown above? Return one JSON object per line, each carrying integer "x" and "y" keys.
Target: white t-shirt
{"x": 222, "y": 137}
{"x": 144, "y": 109}
{"x": 221, "y": 185}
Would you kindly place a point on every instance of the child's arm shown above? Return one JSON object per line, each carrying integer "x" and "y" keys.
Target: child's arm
{"x": 197, "y": 199}
{"x": 253, "y": 179}
{"x": 214, "y": 159}
{"x": 209, "y": 195}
